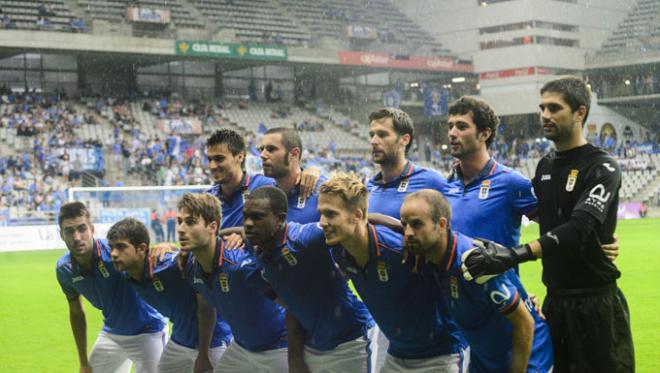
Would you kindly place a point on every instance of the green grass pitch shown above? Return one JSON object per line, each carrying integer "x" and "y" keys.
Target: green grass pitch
{"x": 35, "y": 334}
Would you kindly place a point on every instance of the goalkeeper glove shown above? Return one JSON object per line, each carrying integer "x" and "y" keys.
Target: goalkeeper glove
{"x": 487, "y": 259}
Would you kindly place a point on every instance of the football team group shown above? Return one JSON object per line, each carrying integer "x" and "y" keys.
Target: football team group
{"x": 261, "y": 280}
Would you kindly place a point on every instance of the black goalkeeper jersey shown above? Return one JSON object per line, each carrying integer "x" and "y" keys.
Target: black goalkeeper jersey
{"x": 584, "y": 179}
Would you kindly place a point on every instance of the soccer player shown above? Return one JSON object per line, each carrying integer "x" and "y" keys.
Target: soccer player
{"x": 132, "y": 330}
{"x": 225, "y": 150}
{"x": 391, "y": 132}
{"x": 281, "y": 151}
{"x": 198, "y": 339}
{"x": 297, "y": 263}
{"x": 488, "y": 199}
{"x": 231, "y": 281}
{"x": 578, "y": 188}
{"x": 406, "y": 304}
{"x": 497, "y": 318}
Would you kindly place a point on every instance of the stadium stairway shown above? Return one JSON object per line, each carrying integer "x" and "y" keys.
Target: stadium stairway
{"x": 649, "y": 193}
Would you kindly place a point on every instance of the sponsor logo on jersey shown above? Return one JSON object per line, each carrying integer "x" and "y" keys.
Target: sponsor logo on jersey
{"x": 572, "y": 178}
{"x": 609, "y": 167}
{"x": 77, "y": 278}
{"x": 381, "y": 269}
{"x": 454, "y": 190}
{"x": 157, "y": 284}
{"x": 289, "y": 257}
{"x": 598, "y": 197}
{"x": 546, "y": 177}
{"x": 103, "y": 270}
{"x": 246, "y": 193}
{"x": 224, "y": 282}
{"x": 500, "y": 297}
{"x": 484, "y": 189}
{"x": 403, "y": 185}
{"x": 453, "y": 287}
{"x": 197, "y": 280}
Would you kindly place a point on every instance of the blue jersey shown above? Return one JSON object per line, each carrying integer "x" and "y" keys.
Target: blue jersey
{"x": 304, "y": 275}
{"x": 163, "y": 287}
{"x": 407, "y": 305}
{"x": 387, "y": 198}
{"x": 232, "y": 208}
{"x": 492, "y": 205}
{"x": 105, "y": 289}
{"x": 301, "y": 209}
{"x": 479, "y": 312}
{"x": 237, "y": 289}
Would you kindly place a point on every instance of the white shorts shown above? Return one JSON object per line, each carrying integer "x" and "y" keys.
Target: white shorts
{"x": 379, "y": 346}
{"x": 237, "y": 359}
{"x": 452, "y": 363}
{"x": 180, "y": 359}
{"x": 353, "y": 356}
{"x": 113, "y": 353}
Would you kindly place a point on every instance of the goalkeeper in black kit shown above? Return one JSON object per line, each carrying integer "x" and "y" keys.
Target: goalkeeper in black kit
{"x": 577, "y": 188}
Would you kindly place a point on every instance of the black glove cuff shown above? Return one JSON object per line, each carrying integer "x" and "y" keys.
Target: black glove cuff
{"x": 523, "y": 253}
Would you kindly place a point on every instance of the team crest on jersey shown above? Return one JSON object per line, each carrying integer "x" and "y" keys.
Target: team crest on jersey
{"x": 103, "y": 270}
{"x": 484, "y": 189}
{"x": 246, "y": 193}
{"x": 224, "y": 282}
{"x": 453, "y": 287}
{"x": 290, "y": 258}
{"x": 381, "y": 269}
{"x": 572, "y": 178}
{"x": 403, "y": 185}
{"x": 157, "y": 284}
{"x": 301, "y": 202}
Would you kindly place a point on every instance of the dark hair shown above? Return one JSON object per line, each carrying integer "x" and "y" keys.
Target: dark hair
{"x": 440, "y": 207}
{"x": 73, "y": 210}
{"x": 290, "y": 138}
{"x": 131, "y": 230}
{"x": 574, "y": 91}
{"x": 202, "y": 205}
{"x": 401, "y": 122}
{"x": 275, "y": 196}
{"x": 483, "y": 114}
{"x": 234, "y": 141}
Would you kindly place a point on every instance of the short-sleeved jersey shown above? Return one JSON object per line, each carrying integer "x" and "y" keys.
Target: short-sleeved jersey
{"x": 479, "y": 312}
{"x": 303, "y": 210}
{"x": 585, "y": 180}
{"x": 492, "y": 205}
{"x": 304, "y": 275}
{"x": 406, "y": 305}
{"x": 106, "y": 290}
{"x": 238, "y": 291}
{"x": 163, "y": 287}
{"x": 232, "y": 208}
{"x": 387, "y": 198}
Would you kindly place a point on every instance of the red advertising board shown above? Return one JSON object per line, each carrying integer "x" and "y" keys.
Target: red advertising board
{"x": 524, "y": 71}
{"x": 412, "y": 63}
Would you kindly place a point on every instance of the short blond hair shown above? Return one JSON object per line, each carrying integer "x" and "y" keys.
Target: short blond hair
{"x": 349, "y": 188}
{"x": 202, "y": 205}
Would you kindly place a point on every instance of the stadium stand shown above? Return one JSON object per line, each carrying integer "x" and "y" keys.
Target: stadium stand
{"x": 636, "y": 30}
{"x": 115, "y": 10}
{"x": 259, "y": 21}
{"x": 55, "y": 14}
{"x": 328, "y": 18}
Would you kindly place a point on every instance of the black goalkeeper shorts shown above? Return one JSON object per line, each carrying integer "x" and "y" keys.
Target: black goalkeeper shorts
{"x": 590, "y": 330}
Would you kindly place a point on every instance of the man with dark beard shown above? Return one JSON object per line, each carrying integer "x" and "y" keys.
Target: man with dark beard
{"x": 281, "y": 152}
